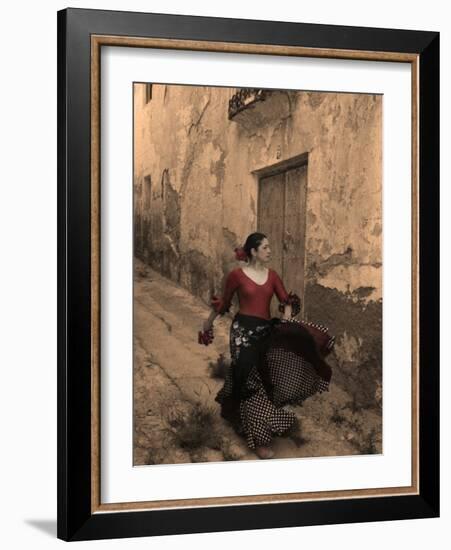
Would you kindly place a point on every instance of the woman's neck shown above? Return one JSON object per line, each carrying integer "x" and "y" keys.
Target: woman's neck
{"x": 256, "y": 265}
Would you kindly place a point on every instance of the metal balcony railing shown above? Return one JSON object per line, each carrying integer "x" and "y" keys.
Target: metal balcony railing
{"x": 246, "y": 98}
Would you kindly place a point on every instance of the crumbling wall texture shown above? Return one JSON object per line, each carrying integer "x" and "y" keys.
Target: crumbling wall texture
{"x": 195, "y": 199}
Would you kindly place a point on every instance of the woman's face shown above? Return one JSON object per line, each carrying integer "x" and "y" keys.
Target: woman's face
{"x": 263, "y": 253}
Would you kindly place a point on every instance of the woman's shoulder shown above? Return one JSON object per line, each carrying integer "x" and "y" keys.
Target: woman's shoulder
{"x": 234, "y": 274}
{"x": 273, "y": 273}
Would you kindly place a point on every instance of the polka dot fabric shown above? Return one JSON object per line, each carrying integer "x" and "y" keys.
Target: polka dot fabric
{"x": 293, "y": 377}
{"x": 261, "y": 416}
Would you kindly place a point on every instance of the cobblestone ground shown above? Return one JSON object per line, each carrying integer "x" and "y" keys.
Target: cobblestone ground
{"x": 176, "y": 419}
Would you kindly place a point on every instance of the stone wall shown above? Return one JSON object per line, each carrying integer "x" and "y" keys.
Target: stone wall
{"x": 202, "y": 202}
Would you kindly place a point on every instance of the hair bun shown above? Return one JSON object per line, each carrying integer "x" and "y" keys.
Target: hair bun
{"x": 240, "y": 254}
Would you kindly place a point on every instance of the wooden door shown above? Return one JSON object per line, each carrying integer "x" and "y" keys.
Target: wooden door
{"x": 281, "y": 216}
{"x": 270, "y": 216}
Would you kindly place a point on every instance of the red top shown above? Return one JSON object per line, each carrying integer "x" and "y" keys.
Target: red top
{"x": 254, "y": 298}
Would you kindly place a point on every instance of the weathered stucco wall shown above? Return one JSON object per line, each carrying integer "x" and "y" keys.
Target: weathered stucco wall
{"x": 202, "y": 201}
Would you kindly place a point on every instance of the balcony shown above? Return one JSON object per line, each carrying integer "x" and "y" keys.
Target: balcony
{"x": 254, "y": 108}
{"x": 246, "y": 98}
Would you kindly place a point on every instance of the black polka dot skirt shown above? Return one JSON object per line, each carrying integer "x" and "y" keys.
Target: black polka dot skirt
{"x": 268, "y": 370}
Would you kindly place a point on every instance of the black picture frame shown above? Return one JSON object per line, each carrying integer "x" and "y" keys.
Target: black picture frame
{"x": 76, "y": 518}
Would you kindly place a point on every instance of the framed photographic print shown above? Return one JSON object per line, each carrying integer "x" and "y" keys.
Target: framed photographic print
{"x": 248, "y": 274}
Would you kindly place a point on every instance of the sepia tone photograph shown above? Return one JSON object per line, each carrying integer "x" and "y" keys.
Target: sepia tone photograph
{"x": 257, "y": 288}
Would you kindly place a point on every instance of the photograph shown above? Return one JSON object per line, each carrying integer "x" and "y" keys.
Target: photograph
{"x": 257, "y": 273}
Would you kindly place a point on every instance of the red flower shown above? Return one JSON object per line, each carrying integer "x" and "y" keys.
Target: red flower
{"x": 294, "y": 301}
{"x": 205, "y": 337}
{"x": 240, "y": 254}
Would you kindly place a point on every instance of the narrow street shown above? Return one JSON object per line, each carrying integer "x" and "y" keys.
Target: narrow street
{"x": 176, "y": 419}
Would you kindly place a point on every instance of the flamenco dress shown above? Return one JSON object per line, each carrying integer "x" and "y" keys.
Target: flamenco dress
{"x": 274, "y": 362}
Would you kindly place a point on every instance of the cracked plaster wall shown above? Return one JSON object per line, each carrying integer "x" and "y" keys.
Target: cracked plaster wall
{"x": 203, "y": 200}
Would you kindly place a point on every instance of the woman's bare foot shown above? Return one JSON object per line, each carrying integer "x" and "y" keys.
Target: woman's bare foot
{"x": 264, "y": 452}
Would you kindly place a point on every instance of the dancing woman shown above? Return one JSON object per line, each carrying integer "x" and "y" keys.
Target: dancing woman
{"x": 274, "y": 362}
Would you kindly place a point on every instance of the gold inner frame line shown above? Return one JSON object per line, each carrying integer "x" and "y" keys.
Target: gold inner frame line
{"x": 97, "y": 41}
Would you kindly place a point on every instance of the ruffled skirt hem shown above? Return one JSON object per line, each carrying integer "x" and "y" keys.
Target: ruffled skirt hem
{"x": 253, "y": 404}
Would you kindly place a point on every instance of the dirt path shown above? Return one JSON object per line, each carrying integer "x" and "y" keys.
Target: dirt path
{"x": 176, "y": 419}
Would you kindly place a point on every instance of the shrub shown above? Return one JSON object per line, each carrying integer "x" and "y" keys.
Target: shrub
{"x": 337, "y": 417}
{"x": 194, "y": 428}
{"x": 368, "y": 445}
{"x": 218, "y": 369}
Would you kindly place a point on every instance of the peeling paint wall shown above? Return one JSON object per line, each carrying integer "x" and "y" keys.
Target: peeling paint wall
{"x": 203, "y": 201}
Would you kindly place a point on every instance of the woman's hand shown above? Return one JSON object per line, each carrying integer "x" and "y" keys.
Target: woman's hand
{"x": 206, "y": 335}
{"x": 287, "y": 312}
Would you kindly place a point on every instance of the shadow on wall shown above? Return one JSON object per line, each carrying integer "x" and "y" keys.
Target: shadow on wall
{"x": 357, "y": 325}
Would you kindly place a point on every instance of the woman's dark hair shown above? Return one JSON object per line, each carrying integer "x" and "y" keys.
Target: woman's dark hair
{"x": 254, "y": 240}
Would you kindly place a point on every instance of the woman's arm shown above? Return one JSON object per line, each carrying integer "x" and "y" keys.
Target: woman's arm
{"x": 279, "y": 288}
{"x": 208, "y": 324}
{"x": 284, "y": 298}
{"x": 221, "y": 305}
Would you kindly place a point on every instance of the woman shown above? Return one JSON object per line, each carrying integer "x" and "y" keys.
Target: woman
{"x": 274, "y": 361}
